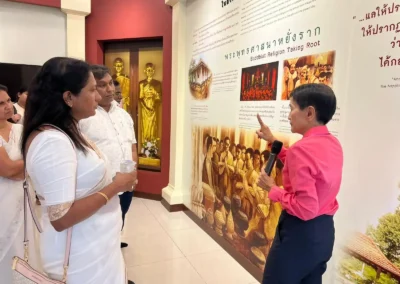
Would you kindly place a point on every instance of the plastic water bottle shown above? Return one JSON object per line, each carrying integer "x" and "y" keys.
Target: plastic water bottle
{"x": 127, "y": 166}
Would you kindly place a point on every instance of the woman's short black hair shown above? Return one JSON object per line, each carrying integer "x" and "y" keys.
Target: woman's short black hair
{"x": 319, "y": 96}
{"x": 45, "y": 103}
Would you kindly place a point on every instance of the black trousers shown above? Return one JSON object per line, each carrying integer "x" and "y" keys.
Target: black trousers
{"x": 300, "y": 251}
{"x": 125, "y": 201}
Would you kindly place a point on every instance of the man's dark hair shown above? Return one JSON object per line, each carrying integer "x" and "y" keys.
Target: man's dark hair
{"x": 99, "y": 71}
{"x": 319, "y": 96}
{"x": 3, "y": 88}
{"x": 116, "y": 83}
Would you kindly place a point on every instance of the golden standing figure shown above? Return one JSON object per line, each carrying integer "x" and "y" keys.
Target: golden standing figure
{"x": 123, "y": 80}
{"x": 149, "y": 96}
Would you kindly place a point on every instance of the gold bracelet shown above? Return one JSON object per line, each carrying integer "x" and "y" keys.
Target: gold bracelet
{"x": 105, "y": 196}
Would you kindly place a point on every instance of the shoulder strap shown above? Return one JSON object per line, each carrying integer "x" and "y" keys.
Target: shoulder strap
{"x": 28, "y": 200}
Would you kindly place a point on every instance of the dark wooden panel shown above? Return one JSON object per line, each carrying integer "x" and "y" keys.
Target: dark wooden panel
{"x": 14, "y": 76}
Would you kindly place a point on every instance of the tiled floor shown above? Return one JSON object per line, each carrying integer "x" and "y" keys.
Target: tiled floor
{"x": 170, "y": 248}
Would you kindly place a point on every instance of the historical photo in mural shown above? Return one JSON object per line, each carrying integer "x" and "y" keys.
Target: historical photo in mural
{"x": 259, "y": 83}
{"x": 372, "y": 256}
{"x": 200, "y": 79}
{"x": 316, "y": 68}
{"x": 225, "y": 195}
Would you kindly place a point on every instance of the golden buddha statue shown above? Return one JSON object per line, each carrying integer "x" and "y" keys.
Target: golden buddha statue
{"x": 149, "y": 97}
{"x": 123, "y": 80}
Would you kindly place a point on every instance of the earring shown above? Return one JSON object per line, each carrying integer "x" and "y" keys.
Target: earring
{"x": 69, "y": 104}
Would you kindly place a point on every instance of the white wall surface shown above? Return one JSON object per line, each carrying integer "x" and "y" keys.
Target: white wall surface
{"x": 31, "y": 34}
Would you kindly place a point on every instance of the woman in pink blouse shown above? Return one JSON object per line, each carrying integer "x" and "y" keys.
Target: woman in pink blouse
{"x": 312, "y": 175}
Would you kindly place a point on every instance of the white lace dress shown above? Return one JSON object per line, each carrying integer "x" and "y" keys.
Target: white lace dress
{"x": 60, "y": 174}
{"x": 11, "y": 213}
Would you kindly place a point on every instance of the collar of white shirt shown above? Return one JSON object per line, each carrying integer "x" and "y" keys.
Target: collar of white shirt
{"x": 114, "y": 106}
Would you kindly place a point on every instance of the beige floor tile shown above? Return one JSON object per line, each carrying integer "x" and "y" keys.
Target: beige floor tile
{"x": 194, "y": 241}
{"x": 150, "y": 248}
{"x": 219, "y": 267}
{"x": 176, "y": 271}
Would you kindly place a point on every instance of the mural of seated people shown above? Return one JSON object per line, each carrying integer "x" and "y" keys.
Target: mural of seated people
{"x": 227, "y": 164}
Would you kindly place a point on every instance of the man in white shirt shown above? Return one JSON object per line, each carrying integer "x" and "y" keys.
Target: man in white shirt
{"x": 112, "y": 130}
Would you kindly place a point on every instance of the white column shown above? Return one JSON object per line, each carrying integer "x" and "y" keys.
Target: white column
{"x": 173, "y": 193}
{"x": 76, "y": 11}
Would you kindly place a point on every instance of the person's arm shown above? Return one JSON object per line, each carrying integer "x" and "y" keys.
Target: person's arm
{"x": 19, "y": 176}
{"x": 9, "y": 168}
{"x": 82, "y": 209}
{"x": 303, "y": 201}
{"x": 52, "y": 167}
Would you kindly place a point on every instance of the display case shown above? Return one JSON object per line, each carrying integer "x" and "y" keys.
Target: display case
{"x": 137, "y": 66}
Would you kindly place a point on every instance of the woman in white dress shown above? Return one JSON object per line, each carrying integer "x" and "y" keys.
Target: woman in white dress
{"x": 71, "y": 177}
{"x": 11, "y": 191}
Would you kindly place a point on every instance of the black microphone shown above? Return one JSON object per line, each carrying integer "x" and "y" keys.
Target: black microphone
{"x": 275, "y": 150}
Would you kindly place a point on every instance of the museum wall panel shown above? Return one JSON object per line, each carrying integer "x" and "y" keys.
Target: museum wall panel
{"x": 245, "y": 57}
